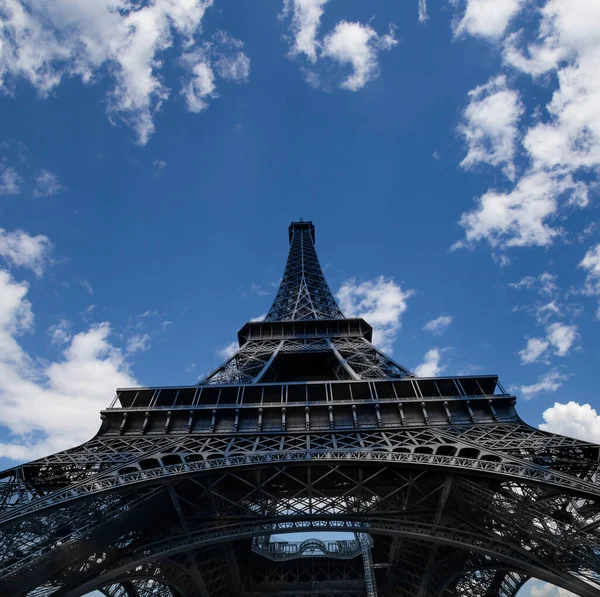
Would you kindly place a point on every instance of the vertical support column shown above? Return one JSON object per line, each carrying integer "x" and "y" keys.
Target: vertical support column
{"x": 365, "y": 547}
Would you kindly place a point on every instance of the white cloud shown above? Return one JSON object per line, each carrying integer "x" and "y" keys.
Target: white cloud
{"x": 545, "y": 283}
{"x": 549, "y": 382}
{"x": 519, "y": 217}
{"x": 259, "y": 318}
{"x": 10, "y": 181}
{"x": 562, "y": 337}
{"x": 430, "y": 367}
{"x": 48, "y": 407}
{"x": 381, "y": 302}
{"x": 85, "y": 284}
{"x": 591, "y": 263}
{"x": 438, "y": 325}
{"x": 561, "y": 148}
{"x": 559, "y": 336}
{"x": 223, "y": 56}
{"x": 349, "y": 43}
{"x": 60, "y": 333}
{"x": 357, "y": 45}
{"x": 46, "y": 184}
{"x": 23, "y": 250}
{"x": 487, "y": 18}
{"x": 228, "y": 350}
{"x": 535, "y": 349}
{"x": 306, "y": 17}
{"x": 489, "y": 125}
{"x": 138, "y": 343}
{"x": 47, "y": 42}
{"x": 200, "y": 84}
{"x": 423, "y": 16}
{"x": 537, "y": 588}
{"x": 159, "y": 167}
{"x": 230, "y": 62}
{"x": 574, "y": 420}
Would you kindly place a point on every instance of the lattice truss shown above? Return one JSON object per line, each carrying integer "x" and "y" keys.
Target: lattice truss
{"x": 447, "y": 518}
{"x": 349, "y": 358}
{"x": 303, "y": 293}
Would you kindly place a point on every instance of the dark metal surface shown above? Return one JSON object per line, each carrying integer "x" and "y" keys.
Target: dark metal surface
{"x": 441, "y": 488}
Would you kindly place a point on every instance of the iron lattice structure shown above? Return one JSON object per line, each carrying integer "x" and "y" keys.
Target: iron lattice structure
{"x": 442, "y": 490}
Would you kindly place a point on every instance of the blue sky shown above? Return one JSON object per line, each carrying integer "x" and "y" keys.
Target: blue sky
{"x": 152, "y": 158}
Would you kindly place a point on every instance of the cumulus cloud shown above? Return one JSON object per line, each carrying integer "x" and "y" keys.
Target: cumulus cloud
{"x": 438, "y": 325}
{"x": 559, "y": 337}
{"x": 561, "y": 146}
{"x": 23, "y": 250}
{"x": 349, "y": 44}
{"x": 381, "y": 302}
{"x": 47, "y": 42}
{"x": 519, "y": 217}
{"x": 52, "y": 406}
{"x": 430, "y": 367}
{"x": 574, "y": 420}
{"x": 46, "y": 184}
{"x": 487, "y": 18}
{"x": 10, "y": 181}
{"x": 549, "y": 382}
{"x": 358, "y": 46}
{"x": 228, "y": 350}
{"x": 489, "y": 125}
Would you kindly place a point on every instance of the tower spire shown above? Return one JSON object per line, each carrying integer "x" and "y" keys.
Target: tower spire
{"x": 303, "y": 293}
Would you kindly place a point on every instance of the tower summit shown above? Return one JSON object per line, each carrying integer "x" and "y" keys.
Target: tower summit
{"x": 401, "y": 486}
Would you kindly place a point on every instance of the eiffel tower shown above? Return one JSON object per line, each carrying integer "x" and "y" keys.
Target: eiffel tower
{"x": 400, "y": 485}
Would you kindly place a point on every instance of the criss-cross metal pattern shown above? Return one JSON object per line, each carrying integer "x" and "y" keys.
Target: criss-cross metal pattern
{"x": 303, "y": 293}
{"x": 442, "y": 490}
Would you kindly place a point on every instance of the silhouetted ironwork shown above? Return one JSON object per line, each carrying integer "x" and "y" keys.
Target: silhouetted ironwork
{"x": 441, "y": 488}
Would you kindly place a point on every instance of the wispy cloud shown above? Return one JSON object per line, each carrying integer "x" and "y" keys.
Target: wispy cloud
{"x": 87, "y": 286}
{"x": 226, "y": 351}
{"x": 10, "y": 181}
{"x": 21, "y": 249}
{"x": 423, "y": 16}
{"x": 138, "y": 343}
{"x": 47, "y": 184}
{"x": 438, "y": 325}
{"x": 549, "y": 382}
